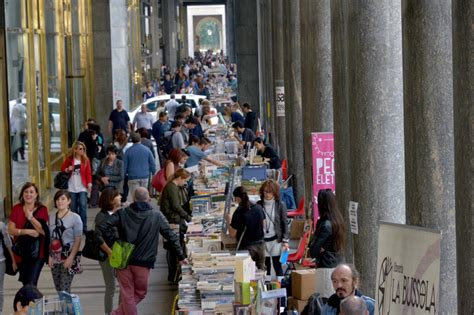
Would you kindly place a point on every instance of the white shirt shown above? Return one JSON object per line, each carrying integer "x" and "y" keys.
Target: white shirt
{"x": 143, "y": 120}
{"x": 269, "y": 209}
{"x": 171, "y": 107}
{"x": 75, "y": 184}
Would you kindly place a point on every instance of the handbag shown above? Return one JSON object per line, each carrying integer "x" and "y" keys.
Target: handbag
{"x": 121, "y": 253}
{"x": 76, "y": 266}
{"x": 92, "y": 249}
{"x": 27, "y": 247}
{"x": 8, "y": 258}
{"x": 61, "y": 180}
{"x": 159, "y": 181}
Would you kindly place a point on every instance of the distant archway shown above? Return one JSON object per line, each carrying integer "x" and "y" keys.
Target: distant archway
{"x": 208, "y": 34}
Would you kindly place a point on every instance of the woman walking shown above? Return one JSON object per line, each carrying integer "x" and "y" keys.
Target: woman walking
{"x": 29, "y": 225}
{"x": 5, "y": 238}
{"x": 80, "y": 181}
{"x": 109, "y": 203}
{"x": 66, "y": 235}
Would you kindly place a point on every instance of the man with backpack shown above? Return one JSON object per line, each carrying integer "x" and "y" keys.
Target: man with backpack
{"x": 140, "y": 225}
{"x": 173, "y": 139}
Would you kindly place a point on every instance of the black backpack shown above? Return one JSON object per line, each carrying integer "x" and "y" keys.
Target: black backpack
{"x": 167, "y": 144}
{"x": 315, "y": 305}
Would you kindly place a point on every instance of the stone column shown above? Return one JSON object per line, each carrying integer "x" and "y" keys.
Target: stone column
{"x": 293, "y": 104}
{"x": 429, "y": 147}
{"x": 316, "y": 77}
{"x": 463, "y": 70}
{"x": 230, "y": 30}
{"x": 276, "y": 19}
{"x": 342, "y": 145}
{"x": 246, "y": 35}
{"x": 376, "y": 125}
{"x": 121, "y": 53}
{"x": 156, "y": 31}
{"x": 101, "y": 31}
{"x": 170, "y": 34}
{"x": 265, "y": 60}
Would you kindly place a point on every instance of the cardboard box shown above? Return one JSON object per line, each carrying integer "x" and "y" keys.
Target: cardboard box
{"x": 303, "y": 283}
{"x": 296, "y": 304}
{"x": 297, "y": 229}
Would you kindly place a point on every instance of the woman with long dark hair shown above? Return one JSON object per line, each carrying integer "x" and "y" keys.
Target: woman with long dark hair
{"x": 246, "y": 225}
{"x": 109, "y": 203}
{"x": 29, "y": 222}
{"x": 328, "y": 240}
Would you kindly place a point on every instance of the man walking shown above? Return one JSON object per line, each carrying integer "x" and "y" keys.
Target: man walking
{"x": 140, "y": 225}
{"x": 138, "y": 165}
{"x": 119, "y": 119}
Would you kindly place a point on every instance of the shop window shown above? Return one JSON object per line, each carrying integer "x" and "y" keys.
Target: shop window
{"x": 17, "y": 92}
{"x": 53, "y": 61}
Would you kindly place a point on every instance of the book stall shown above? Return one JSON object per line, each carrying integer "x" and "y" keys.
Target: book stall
{"x": 219, "y": 279}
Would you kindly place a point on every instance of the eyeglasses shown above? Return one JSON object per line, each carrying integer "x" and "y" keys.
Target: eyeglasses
{"x": 268, "y": 191}
{"x": 80, "y": 148}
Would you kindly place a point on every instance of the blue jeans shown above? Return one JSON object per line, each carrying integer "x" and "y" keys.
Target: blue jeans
{"x": 79, "y": 206}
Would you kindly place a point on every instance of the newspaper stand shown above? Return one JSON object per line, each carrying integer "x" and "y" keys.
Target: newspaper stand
{"x": 61, "y": 304}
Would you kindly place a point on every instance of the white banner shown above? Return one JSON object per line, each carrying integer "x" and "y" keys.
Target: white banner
{"x": 407, "y": 270}
{"x": 280, "y": 101}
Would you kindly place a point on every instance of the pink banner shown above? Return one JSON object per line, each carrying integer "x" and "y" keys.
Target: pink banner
{"x": 323, "y": 166}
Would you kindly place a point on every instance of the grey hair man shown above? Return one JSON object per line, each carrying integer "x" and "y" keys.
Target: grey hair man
{"x": 353, "y": 305}
{"x": 140, "y": 225}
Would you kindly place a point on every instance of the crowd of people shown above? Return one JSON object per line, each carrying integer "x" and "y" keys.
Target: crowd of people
{"x": 118, "y": 175}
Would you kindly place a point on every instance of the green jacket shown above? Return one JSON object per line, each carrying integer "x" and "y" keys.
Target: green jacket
{"x": 171, "y": 204}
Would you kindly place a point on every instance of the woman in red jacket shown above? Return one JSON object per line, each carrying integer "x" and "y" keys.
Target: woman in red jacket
{"x": 80, "y": 182}
{"x": 29, "y": 225}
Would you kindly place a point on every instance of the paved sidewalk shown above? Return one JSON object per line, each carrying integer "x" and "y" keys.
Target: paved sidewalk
{"x": 89, "y": 286}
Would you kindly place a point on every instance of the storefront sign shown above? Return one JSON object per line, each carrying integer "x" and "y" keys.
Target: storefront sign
{"x": 280, "y": 101}
{"x": 323, "y": 165}
{"x": 408, "y": 265}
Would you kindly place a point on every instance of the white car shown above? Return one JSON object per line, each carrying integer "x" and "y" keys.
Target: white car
{"x": 152, "y": 104}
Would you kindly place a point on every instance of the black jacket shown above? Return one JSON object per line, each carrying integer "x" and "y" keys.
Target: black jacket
{"x": 269, "y": 153}
{"x": 323, "y": 238}
{"x": 141, "y": 225}
{"x": 251, "y": 121}
{"x": 279, "y": 221}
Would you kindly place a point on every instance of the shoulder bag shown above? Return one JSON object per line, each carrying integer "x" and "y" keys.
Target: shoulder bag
{"x": 92, "y": 249}
{"x": 61, "y": 180}
{"x": 158, "y": 180}
{"x": 122, "y": 252}
{"x": 27, "y": 247}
